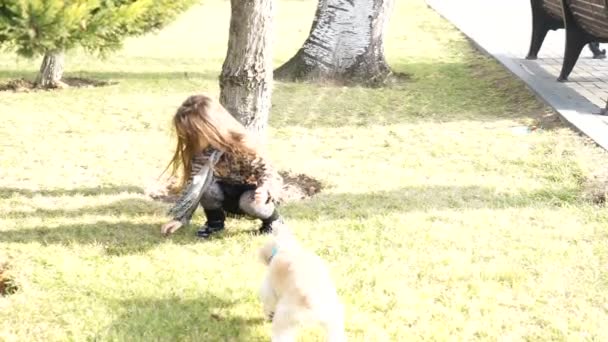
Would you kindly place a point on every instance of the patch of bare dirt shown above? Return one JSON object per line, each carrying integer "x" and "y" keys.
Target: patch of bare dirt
{"x": 595, "y": 189}
{"x": 7, "y": 285}
{"x": 21, "y": 85}
{"x": 296, "y": 186}
{"x": 80, "y": 82}
{"x": 548, "y": 119}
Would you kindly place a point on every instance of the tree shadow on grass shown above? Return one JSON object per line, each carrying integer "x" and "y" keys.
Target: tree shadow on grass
{"x": 137, "y": 206}
{"x": 93, "y": 191}
{"x": 117, "y": 76}
{"x": 207, "y": 318}
{"x": 475, "y": 90}
{"x": 409, "y": 199}
{"x": 126, "y": 237}
{"x": 117, "y": 238}
{"x": 145, "y": 76}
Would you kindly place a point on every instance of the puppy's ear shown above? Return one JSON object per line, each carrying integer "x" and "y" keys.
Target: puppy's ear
{"x": 265, "y": 251}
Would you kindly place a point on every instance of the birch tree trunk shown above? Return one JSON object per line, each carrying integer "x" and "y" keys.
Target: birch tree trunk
{"x": 51, "y": 71}
{"x": 246, "y": 78}
{"x": 345, "y": 43}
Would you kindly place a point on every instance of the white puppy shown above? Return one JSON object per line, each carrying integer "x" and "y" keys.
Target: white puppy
{"x": 298, "y": 289}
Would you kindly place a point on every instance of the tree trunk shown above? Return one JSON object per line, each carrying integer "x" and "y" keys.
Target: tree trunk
{"x": 246, "y": 79}
{"x": 345, "y": 44}
{"x": 51, "y": 70}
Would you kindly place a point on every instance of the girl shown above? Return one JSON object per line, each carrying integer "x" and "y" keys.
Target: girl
{"x": 243, "y": 182}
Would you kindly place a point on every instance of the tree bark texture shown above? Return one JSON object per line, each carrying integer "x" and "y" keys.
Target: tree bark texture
{"x": 246, "y": 78}
{"x": 51, "y": 70}
{"x": 345, "y": 43}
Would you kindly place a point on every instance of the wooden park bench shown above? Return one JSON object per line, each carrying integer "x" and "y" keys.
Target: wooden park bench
{"x": 555, "y": 14}
{"x": 586, "y": 21}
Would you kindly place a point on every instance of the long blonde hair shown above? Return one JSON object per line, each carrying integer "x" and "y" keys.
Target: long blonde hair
{"x": 201, "y": 119}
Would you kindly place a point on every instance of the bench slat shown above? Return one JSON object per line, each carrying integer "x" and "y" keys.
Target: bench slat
{"x": 591, "y": 16}
{"x": 553, "y": 8}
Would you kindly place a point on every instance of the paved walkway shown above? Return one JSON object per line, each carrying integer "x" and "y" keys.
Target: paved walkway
{"x": 502, "y": 28}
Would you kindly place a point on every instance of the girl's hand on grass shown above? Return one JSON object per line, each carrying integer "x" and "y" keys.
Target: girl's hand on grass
{"x": 170, "y": 227}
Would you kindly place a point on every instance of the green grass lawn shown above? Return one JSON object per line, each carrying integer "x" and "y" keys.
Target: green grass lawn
{"x": 438, "y": 221}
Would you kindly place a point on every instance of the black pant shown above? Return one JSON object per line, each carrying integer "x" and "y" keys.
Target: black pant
{"x": 232, "y": 195}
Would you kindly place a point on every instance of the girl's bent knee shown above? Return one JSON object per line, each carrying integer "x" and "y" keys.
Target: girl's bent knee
{"x": 248, "y": 205}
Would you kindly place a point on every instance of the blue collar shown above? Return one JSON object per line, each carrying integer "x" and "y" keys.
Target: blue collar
{"x": 273, "y": 253}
